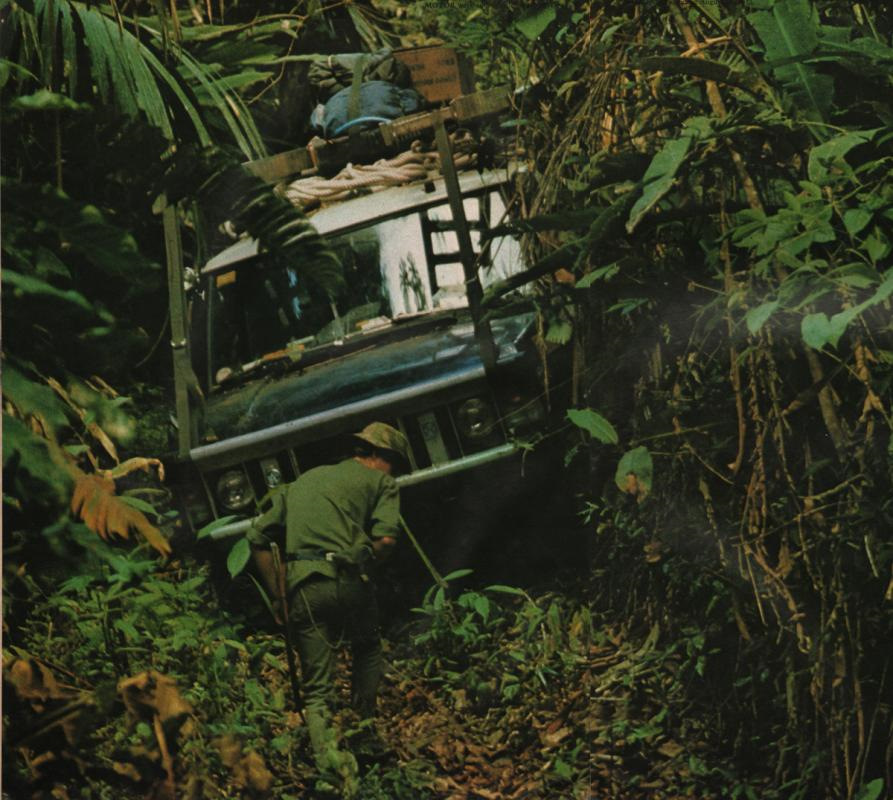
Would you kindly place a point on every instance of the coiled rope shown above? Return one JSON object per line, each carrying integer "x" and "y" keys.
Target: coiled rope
{"x": 413, "y": 165}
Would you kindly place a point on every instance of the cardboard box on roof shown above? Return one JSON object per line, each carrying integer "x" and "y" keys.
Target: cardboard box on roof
{"x": 438, "y": 73}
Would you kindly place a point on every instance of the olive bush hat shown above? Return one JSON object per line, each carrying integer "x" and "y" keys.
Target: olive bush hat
{"x": 384, "y": 437}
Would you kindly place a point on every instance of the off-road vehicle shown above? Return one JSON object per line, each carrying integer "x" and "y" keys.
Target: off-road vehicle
{"x": 285, "y": 373}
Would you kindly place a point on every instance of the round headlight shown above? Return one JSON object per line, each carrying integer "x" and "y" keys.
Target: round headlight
{"x": 272, "y": 473}
{"x": 475, "y": 418}
{"x": 520, "y": 414}
{"x": 234, "y": 491}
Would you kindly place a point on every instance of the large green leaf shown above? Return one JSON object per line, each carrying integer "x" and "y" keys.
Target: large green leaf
{"x": 228, "y": 104}
{"x": 635, "y": 462}
{"x": 757, "y": 317}
{"x": 658, "y": 178}
{"x": 238, "y": 557}
{"x": 31, "y": 397}
{"x": 824, "y": 157}
{"x": 30, "y": 453}
{"x": 45, "y": 100}
{"x": 534, "y": 22}
{"x": 817, "y": 331}
{"x": 871, "y": 790}
{"x": 20, "y": 284}
{"x": 110, "y": 72}
{"x": 211, "y": 527}
{"x": 593, "y": 423}
{"x": 83, "y": 228}
{"x": 855, "y": 219}
{"x": 789, "y": 31}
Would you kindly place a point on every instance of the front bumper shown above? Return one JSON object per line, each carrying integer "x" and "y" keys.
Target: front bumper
{"x": 419, "y": 476}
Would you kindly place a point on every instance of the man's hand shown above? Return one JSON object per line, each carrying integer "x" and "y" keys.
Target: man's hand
{"x": 382, "y": 546}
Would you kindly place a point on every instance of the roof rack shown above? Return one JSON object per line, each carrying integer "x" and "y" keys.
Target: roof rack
{"x": 328, "y": 156}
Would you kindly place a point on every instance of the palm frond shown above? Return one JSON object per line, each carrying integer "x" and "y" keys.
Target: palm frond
{"x": 110, "y": 74}
{"x": 173, "y": 83}
{"x": 138, "y": 75}
{"x": 228, "y": 104}
{"x": 227, "y": 190}
{"x": 69, "y": 46}
{"x": 365, "y": 23}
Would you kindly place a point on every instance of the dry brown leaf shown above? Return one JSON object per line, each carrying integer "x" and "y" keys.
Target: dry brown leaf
{"x": 168, "y": 790}
{"x": 37, "y": 684}
{"x": 872, "y": 403}
{"x": 446, "y": 784}
{"x": 529, "y": 789}
{"x": 670, "y": 749}
{"x": 840, "y": 668}
{"x": 151, "y": 694}
{"x": 553, "y": 738}
{"x": 486, "y": 794}
{"x": 34, "y": 681}
{"x": 460, "y": 699}
{"x": 257, "y": 776}
{"x": 785, "y": 561}
{"x": 57, "y": 388}
{"x": 98, "y": 385}
{"x": 95, "y": 502}
{"x": 653, "y": 551}
{"x": 127, "y": 770}
{"x": 132, "y": 465}
{"x": 293, "y": 719}
{"x": 103, "y": 438}
{"x": 230, "y": 750}
{"x": 248, "y": 769}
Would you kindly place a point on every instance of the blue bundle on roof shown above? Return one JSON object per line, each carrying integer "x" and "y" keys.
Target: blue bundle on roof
{"x": 375, "y": 102}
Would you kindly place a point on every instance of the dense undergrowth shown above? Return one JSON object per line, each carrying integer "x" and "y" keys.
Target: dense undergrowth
{"x": 709, "y": 214}
{"x": 131, "y": 681}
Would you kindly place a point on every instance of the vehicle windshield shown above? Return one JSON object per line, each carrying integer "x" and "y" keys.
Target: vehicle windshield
{"x": 393, "y": 270}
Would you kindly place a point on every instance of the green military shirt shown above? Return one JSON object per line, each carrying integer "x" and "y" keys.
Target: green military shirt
{"x": 330, "y": 509}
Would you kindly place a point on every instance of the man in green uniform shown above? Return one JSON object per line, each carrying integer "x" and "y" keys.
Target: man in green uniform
{"x": 338, "y": 519}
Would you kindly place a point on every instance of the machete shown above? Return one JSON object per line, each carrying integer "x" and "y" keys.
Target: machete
{"x": 289, "y": 650}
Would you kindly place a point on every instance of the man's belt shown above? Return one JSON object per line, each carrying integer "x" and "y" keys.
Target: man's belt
{"x": 311, "y": 555}
{"x": 341, "y": 560}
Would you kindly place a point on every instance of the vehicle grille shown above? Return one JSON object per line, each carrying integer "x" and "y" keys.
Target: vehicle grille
{"x": 436, "y": 436}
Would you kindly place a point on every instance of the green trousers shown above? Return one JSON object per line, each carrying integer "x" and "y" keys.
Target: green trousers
{"x": 327, "y": 613}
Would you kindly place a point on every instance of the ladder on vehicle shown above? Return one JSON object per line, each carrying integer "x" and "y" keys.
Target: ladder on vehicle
{"x": 434, "y": 231}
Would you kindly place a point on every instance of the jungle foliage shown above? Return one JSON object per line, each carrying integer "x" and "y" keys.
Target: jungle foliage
{"x": 725, "y": 280}
{"x": 709, "y": 214}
